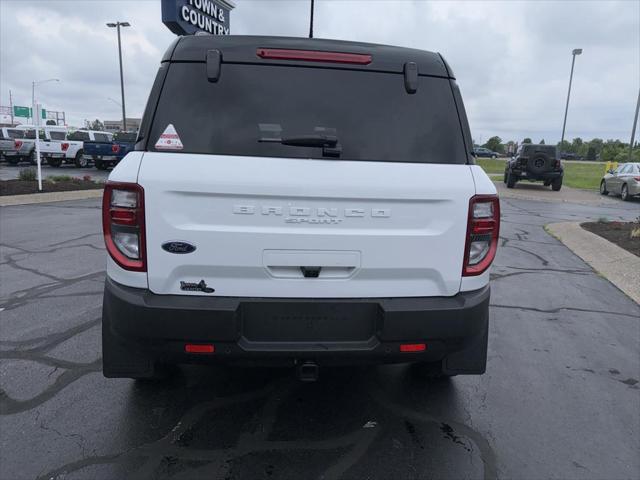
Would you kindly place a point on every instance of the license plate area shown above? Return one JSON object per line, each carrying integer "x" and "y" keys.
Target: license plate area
{"x": 308, "y": 322}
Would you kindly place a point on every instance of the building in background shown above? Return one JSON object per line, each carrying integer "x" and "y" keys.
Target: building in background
{"x": 133, "y": 125}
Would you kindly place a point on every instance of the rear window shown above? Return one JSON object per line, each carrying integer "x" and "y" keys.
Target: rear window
{"x": 370, "y": 113}
{"x": 31, "y": 134}
{"x": 124, "y": 137}
{"x": 79, "y": 135}
{"x": 57, "y": 135}
{"x": 102, "y": 137}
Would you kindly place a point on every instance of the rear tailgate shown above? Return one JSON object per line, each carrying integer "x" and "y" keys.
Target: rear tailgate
{"x": 377, "y": 229}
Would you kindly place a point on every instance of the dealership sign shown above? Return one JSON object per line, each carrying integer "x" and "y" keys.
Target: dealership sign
{"x": 187, "y": 17}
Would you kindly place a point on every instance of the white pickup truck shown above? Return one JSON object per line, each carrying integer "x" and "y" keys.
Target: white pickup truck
{"x": 75, "y": 151}
{"x": 7, "y": 137}
{"x": 328, "y": 210}
{"x": 53, "y": 145}
{"x": 58, "y": 145}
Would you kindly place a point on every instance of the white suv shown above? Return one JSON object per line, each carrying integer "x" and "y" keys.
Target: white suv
{"x": 299, "y": 202}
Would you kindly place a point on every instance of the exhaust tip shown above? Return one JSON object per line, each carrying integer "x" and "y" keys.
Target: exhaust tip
{"x": 308, "y": 372}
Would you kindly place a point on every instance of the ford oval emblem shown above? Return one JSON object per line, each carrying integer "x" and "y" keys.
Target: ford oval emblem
{"x": 177, "y": 246}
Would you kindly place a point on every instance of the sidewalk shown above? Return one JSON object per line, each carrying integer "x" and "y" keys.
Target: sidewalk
{"x": 612, "y": 262}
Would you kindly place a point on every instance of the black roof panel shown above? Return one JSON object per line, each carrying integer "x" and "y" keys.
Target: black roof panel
{"x": 242, "y": 49}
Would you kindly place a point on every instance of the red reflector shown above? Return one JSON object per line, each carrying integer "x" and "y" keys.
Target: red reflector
{"x": 123, "y": 216}
{"x": 17, "y": 143}
{"x": 65, "y": 146}
{"x": 115, "y": 148}
{"x": 314, "y": 56}
{"x": 413, "y": 347}
{"x": 199, "y": 348}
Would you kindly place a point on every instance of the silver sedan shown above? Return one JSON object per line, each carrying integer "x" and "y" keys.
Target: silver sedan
{"x": 623, "y": 181}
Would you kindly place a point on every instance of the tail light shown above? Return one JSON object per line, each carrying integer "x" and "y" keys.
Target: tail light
{"x": 115, "y": 148}
{"x": 557, "y": 164}
{"x": 483, "y": 228}
{"x": 123, "y": 225}
{"x": 637, "y": 179}
{"x": 65, "y": 146}
{"x": 314, "y": 56}
{"x": 17, "y": 144}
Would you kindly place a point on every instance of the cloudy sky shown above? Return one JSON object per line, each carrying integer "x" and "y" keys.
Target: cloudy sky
{"x": 512, "y": 58}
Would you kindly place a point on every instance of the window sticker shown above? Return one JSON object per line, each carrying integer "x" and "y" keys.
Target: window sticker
{"x": 169, "y": 140}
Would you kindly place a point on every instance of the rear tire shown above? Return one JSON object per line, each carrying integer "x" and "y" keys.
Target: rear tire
{"x": 556, "y": 185}
{"x": 624, "y": 193}
{"x": 603, "y": 188}
{"x": 13, "y": 160}
{"x": 511, "y": 180}
{"x": 80, "y": 161}
{"x": 100, "y": 165}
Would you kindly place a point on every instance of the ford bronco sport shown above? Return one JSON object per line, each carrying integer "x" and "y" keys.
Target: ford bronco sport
{"x": 535, "y": 163}
{"x": 290, "y": 202}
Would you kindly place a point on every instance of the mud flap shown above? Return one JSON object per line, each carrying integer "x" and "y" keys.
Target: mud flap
{"x": 120, "y": 360}
{"x": 472, "y": 360}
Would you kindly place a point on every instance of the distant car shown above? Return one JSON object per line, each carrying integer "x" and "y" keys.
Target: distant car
{"x": 535, "y": 163}
{"x": 623, "y": 181}
{"x": 484, "y": 152}
{"x": 570, "y": 156}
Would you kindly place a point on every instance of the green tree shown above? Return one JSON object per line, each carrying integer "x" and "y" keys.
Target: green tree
{"x": 591, "y": 153}
{"x": 495, "y": 144}
{"x": 527, "y": 140}
{"x": 97, "y": 125}
{"x": 564, "y": 146}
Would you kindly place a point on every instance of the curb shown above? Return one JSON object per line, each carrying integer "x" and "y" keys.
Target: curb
{"x": 612, "y": 262}
{"x": 10, "y": 200}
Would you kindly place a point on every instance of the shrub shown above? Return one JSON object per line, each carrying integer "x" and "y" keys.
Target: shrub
{"x": 87, "y": 178}
{"x": 27, "y": 174}
{"x": 59, "y": 178}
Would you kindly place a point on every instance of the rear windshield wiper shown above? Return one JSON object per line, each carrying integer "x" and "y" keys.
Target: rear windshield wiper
{"x": 329, "y": 143}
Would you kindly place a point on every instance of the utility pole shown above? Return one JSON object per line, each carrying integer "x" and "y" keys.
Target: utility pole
{"x": 311, "y": 21}
{"x": 117, "y": 25}
{"x": 11, "y": 106}
{"x": 633, "y": 130}
{"x": 576, "y": 51}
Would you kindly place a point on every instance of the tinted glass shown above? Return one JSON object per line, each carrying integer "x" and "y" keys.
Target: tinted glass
{"x": 124, "y": 137}
{"x": 79, "y": 135}
{"x": 102, "y": 137}
{"x": 56, "y": 135}
{"x": 32, "y": 134}
{"x": 370, "y": 113}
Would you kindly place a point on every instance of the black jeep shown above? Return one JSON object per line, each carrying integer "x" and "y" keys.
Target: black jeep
{"x": 535, "y": 163}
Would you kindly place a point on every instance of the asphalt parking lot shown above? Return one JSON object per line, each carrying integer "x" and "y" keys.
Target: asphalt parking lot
{"x": 560, "y": 398}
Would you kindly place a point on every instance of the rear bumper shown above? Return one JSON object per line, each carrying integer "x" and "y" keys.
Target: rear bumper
{"x": 282, "y": 331}
{"x": 539, "y": 176}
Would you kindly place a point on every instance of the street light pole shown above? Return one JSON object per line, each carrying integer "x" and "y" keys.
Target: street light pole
{"x": 117, "y": 25}
{"x": 311, "y": 20}
{"x": 633, "y": 130}
{"x": 576, "y": 51}
{"x": 35, "y": 119}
